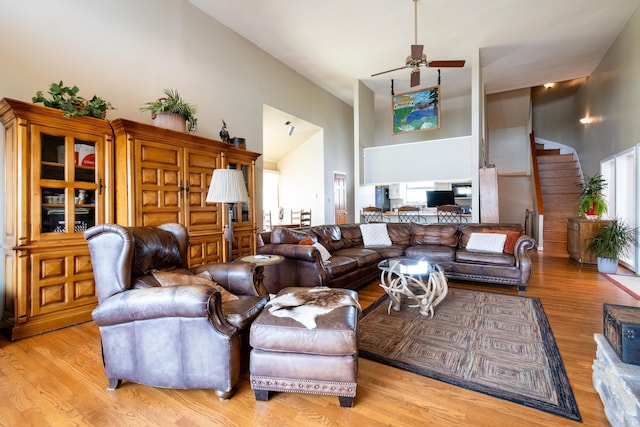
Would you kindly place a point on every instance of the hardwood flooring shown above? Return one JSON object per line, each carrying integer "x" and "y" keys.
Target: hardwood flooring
{"x": 57, "y": 379}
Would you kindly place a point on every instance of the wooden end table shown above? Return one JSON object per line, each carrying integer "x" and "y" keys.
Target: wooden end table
{"x": 261, "y": 261}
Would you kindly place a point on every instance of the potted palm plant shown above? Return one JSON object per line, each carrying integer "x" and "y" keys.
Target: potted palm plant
{"x": 610, "y": 243}
{"x": 592, "y": 203}
{"x": 172, "y": 112}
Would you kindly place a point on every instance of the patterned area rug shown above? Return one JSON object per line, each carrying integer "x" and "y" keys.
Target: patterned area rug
{"x": 496, "y": 344}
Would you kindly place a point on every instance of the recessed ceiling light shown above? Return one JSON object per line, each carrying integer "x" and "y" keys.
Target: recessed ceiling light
{"x": 548, "y": 85}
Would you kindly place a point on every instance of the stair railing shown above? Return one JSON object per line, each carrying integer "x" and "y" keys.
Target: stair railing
{"x": 536, "y": 175}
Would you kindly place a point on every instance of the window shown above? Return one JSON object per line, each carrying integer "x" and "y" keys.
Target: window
{"x": 620, "y": 174}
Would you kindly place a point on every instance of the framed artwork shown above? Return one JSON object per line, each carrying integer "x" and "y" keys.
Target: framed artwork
{"x": 417, "y": 110}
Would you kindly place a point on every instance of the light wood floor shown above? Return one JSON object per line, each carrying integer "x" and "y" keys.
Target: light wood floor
{"x": 57, "y": 378}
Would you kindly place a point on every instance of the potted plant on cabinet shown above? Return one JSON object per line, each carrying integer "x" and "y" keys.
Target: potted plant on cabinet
{"x": 172, "y": 112}
{"x": 610, "y": 243}
{"x": 66, "y": 98}
{"x": 592, "y": 203}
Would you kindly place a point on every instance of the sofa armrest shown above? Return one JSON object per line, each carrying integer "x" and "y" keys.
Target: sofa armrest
{"x": 302, "y": 266}
{"x": 288, "y": 250}
{"x": 521, "y": 250}
{"x": 159, "y": 302}
{"x": 237, "y": 277}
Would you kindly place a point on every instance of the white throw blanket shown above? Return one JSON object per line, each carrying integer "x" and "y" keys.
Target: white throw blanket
{"x": 307, "y": 304}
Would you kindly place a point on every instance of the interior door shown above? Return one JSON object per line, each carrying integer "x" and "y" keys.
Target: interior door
{"x": 340, "y": 197}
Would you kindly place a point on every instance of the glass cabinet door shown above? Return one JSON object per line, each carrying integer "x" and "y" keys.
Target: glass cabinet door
{"x": 241, "y": 212}
{"x": 66, "y": 182}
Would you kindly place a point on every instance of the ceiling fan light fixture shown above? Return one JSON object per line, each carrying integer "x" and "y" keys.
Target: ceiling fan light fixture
{"x": 418, "y": 58}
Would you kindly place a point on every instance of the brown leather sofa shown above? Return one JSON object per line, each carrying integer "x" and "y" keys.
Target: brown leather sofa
{"x": 352, "y": 264}
{"x": 163, "y": 324}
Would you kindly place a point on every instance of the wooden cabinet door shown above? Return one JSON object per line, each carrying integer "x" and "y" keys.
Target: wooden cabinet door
{"x": 61, "y": 279}
{"x": 200, "y": 215}
{"x": 159, "y": 184}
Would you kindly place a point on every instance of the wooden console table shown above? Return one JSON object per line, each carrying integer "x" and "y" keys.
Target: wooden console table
{"x": 580, "y": 231}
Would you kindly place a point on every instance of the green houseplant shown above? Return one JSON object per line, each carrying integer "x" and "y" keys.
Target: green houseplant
{"x": 610, "y": 243}
{"x": 592, "y": 202}
{"x": 66, "y": 98}
{"x": 173, "y": 103}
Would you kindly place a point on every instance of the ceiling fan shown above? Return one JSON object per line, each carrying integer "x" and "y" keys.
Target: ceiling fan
{"x": 418, "y": 59}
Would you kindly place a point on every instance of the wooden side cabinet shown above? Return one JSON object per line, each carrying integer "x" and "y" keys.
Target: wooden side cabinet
{"x": 56, "y": 185}
{"x": 163, "y": 176}
{"x": 580, "y": 231}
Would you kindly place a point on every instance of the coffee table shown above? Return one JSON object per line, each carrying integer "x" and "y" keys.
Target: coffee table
{"x": 416, "y": 279}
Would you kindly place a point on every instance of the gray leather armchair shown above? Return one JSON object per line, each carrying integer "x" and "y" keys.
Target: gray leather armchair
{"x": 170, "y": 333}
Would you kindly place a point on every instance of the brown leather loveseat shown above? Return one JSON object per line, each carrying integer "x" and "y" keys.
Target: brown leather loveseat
{"x": 353, "y": 264}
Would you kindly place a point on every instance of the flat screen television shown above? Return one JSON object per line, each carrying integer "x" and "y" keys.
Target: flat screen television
{"x": 440, "y": 197}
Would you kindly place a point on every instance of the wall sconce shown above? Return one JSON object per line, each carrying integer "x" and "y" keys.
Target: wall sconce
{"x": 290, "y": 127}
{"x": 585, "y": 121}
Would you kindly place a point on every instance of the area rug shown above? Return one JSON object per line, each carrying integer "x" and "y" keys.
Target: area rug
{"x": 629, "y": 284}
{"x": 496, "y": 344}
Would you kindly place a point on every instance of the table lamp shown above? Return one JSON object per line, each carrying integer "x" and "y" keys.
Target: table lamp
{"x": 228, "y": 186}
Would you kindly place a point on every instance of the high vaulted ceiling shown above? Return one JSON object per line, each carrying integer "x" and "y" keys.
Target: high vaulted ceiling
{"x": 522, "y": 43}
{"x": 334, "y": 43}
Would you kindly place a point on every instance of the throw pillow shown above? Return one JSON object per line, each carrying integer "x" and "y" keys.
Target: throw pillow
{"x": 306, "y": 241}
{"x": 375, "y": 234}
{"x": 512, "y": 238}
{"x": 486, "y": 242}
{"x": 324, "y": 253}
{"x": 179, "y": 278}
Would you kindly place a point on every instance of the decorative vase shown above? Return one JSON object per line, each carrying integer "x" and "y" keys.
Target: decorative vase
{"x": 238, "y": 142}
{"x": 607, "y": 265}
{"x": 170, "y": 121}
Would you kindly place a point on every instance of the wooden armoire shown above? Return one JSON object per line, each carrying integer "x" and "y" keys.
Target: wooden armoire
{"x": 64, "y": 175}
{"x": 57, "y": 182}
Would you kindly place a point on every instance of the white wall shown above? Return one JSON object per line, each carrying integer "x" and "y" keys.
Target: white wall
{"x": 128, "y": 51}
{"x": 300, "y": 173}
{"x": 508, "y": 147}
{"x": 611, "y": 97}
{"x": 437, "y": 160}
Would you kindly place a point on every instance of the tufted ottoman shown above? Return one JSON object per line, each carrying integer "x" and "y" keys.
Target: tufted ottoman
{"x": 316, "y": 354}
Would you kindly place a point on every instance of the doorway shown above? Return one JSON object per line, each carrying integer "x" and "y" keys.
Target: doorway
{"x": 340, "y": 197}
{"x": 292, "y": 148}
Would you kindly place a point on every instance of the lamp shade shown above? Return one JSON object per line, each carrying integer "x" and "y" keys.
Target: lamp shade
{"x": 227, "y": 186}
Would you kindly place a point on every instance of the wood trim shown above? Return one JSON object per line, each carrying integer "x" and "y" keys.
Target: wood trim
{"x": 536, "y": 174}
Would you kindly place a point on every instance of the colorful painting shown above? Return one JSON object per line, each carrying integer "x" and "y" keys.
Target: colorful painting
{"x": 418, "y": 110}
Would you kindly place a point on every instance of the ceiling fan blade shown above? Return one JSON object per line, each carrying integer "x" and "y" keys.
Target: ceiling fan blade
{"x": 416, "y": 51}
{"x": 415, "y": 77}
{"x": 388, "y": 71}
{"x": 443, "y": 64}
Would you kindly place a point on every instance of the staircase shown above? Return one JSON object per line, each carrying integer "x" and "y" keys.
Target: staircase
{"x": 559, "y": 175}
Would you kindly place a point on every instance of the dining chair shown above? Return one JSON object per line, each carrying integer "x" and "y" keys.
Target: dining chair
{"x": 266, "y": 220}
{"x": 372, "y": 214}
{"x": 449, "y": 213}
{"x": 409, "y": 214}
{"x": 305, "y": 218}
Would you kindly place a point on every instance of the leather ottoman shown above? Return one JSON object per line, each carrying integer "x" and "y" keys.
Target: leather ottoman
{"x": 306, "y": 341}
